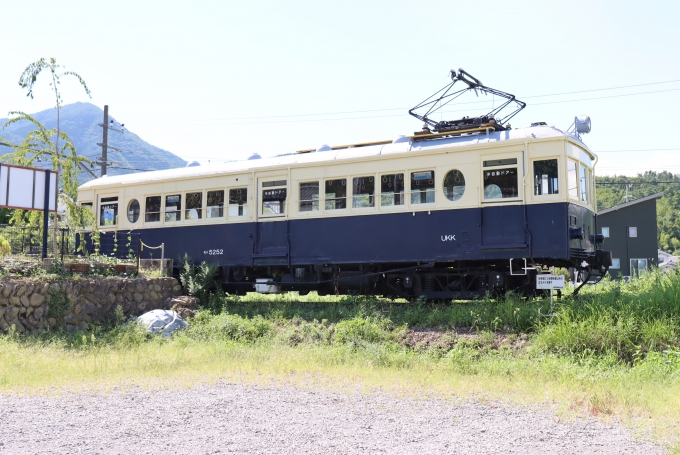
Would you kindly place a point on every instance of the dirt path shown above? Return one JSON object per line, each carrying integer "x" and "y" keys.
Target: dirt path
{"x": 227, "y": 418}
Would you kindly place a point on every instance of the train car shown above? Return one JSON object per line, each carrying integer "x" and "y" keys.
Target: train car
{"x": 454, "y": 213}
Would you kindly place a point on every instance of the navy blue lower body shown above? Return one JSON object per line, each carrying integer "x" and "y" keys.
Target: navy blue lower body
{"x": 476, "y": 235}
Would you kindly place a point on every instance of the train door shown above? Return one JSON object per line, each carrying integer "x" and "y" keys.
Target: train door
{"x": 502, "y": 212}
{"x": 271, "y": 245}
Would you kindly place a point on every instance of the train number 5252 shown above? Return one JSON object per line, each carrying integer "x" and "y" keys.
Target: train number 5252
{"x": 214, "y": 252}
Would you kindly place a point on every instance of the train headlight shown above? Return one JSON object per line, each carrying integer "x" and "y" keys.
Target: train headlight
{"x": 582, "y": 124}
{"x": 576, "y": 233}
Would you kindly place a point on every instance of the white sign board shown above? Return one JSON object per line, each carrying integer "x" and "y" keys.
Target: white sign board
{"x": 24, "y": 188}
{"x": 549, "y": 281}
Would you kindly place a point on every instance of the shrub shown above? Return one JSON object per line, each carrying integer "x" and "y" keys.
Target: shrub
{"x": 5, "y": 247}
{"x": 361, "y": 328}
{"x": 197, "y": 281}
{"x": 57, "y": 306}
{"x": 208, "y": 327}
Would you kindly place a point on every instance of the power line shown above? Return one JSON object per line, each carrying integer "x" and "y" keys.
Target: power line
{"x": 636, "y": 150}
{"x": 446, "y": 112}
{"x": 606, "y": 97}
{"x": 472, "y": 102}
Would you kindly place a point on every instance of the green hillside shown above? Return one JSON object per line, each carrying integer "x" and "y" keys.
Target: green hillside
{"x": 81, "y": 122}
{"x": 668, "y": 207}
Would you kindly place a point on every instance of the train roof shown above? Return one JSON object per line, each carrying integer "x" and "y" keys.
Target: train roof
{"x": 401, "y": 145}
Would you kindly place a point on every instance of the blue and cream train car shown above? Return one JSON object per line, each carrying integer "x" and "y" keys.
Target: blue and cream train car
{"x": 436, "y": 215}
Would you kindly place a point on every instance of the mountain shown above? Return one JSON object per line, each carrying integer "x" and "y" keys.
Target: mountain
{"x": 81, "y": 122}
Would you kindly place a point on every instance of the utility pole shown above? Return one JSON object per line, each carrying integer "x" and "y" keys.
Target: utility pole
{"x": 105, "y": 139}
{"x": 106, "y": 126}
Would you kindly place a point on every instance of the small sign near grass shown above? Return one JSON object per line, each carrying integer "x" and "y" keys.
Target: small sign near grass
{"x": 549, "y": 281}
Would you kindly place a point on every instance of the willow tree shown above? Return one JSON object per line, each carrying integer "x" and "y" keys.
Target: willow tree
{"x": 43, "y": 144}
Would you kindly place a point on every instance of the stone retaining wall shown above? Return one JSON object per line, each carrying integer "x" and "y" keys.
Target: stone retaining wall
{"x": 25, "y": 304}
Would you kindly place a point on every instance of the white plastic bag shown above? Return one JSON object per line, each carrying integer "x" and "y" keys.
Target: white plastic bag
{"x": 164, "y": 321}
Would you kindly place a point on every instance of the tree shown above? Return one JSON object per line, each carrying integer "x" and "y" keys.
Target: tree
{"x": 52, "y": 144}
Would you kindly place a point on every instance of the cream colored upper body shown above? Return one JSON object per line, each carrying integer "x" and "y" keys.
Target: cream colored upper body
{"x": 202, "y": 194}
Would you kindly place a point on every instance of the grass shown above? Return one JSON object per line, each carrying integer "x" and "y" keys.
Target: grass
{"x": 612, "y": 353}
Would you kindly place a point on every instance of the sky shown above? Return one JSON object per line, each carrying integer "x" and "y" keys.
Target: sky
{"x": 219, "y": 81}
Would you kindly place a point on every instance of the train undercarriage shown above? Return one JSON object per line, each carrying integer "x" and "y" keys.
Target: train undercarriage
{"x": 434, "y": 281}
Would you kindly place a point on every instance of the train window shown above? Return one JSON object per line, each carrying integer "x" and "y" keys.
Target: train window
{"x": 605, "y": 232}
{"x": 215, "y": 204}
{"x": 391, "y": 190}
{"x": 309, "y": 196}
{"x": 584, "y": 184}
{"x": 87, "y": 205}
{"x": 153, "y": 209}
{"x": 572, "y": 180}
{"x": 422, "y": 187}
{"x": 108, "y": 212}
{"x": 632, "y": 231}
{"x": 173, "y": 208}
{"x": 238, "y": 202}
{"x": 194, "y": 206}
{"x": 545, "y": 177}
{"x": 616, "y": 263}
{"x": 501, "y": 183}
{"x": 454, "y": 185}
{"x": 336, "y": 194}
{"x": 274, "y": 183}
{"x": 274, "y": 201}
{"x": 133, "y": 211}
{"x": 363, "y": 192}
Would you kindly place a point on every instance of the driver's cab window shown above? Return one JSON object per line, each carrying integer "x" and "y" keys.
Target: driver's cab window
{"x": 274, "y": 197}
{"x": 501, "y": 179}
{"x": 546, "y": 177}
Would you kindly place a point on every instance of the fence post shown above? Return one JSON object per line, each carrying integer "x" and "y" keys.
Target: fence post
{"x": 62, "y": 245}
{"x": 139, "y": 250}
{"x": 46, "y": 213}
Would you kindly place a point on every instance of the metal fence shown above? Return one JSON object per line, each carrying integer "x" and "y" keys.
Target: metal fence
{"x": 21, "y": 247}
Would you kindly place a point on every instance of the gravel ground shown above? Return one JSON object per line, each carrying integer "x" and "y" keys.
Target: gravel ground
{"x": 227, "y": 418}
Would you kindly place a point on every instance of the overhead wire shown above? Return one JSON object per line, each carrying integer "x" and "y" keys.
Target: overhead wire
{"x": 471, "y": 102}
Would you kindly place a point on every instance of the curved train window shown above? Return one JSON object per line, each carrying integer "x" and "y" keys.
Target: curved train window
{"x": 274, "y": 199}
{"x": 309, "y": 196}
{"x": 363, "y": 192}
{"x": 108, "y": 211}
{"x": 391, "y": 190}
{"x": 173, "y": 208}
{"x": 133, "y": 211}
{"x": 572, "y": 180}
{"x": 238, "y": 202}
{"x": 545, "y": 177}
{"x": 454, "y": 185}
{"x": 153, "y": 209}
{"x": 422, "y": 187}
{"x": 194, "y": 206}
{"x": 336, "y": 194}
{"x": 214, "y": 204}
